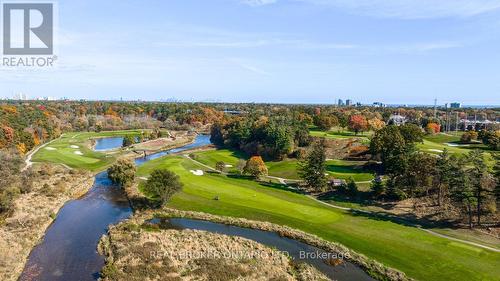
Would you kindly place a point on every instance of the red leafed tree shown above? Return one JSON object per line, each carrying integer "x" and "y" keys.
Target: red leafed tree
{"x": 358, "y": 123}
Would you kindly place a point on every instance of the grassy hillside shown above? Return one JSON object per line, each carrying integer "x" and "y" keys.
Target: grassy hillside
{"x": 417, "y": 253}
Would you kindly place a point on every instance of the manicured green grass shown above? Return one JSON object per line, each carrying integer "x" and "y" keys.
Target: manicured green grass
{"x": 436, "y": 148}
{"x": 62, "y": 152}
{"x": 338, "y": 134}
{"x": 229, "y": 157}
{"x": 415, "y": 252}
{"x": 444, "y": 138}
{"x": 287, "y": 168}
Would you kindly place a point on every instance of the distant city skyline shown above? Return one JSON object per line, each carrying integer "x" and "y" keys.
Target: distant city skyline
{"x": 338, "y": 102}
{"x": 274, "y": 51}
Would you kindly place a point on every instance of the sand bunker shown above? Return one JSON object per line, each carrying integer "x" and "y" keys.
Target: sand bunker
{"x": 455, "y": 144}
{"x": 78, "y": 152}
{"x": 436, "y": 150}
{"x": 74, "y": 146}
{"x": 197, "y": 172}
{"x": 228, "y": 166}
{"x": 50, "y": 148}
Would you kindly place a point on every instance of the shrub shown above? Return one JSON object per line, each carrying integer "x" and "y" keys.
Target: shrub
{"x": 7, "y": 197}
{"x": 352, "y": 187}
{"x": 220, "y": 166}
{"x": 122, "y": 172}
{"x": 468, "y": 137}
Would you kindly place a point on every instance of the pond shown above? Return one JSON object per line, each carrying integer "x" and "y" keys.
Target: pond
{"x": 299, "y": 251}
{"x": 103, "y": 144}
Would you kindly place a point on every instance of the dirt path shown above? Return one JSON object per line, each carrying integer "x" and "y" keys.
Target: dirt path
{"x": 33, "y": 152}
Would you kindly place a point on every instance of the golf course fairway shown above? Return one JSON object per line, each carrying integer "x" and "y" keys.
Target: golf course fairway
{"x": 419, "y": 254}
{"x": 340, "y": 169}
{"x": 74, "y": 150}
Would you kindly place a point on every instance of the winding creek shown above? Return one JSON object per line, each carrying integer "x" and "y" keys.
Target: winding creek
{"x": 69, "y": 248}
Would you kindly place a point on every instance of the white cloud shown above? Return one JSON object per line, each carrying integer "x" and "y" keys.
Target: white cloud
{"x": 422, "y": 47}
{"x": 404, "y": 9}
{"x": 256, "y": 3}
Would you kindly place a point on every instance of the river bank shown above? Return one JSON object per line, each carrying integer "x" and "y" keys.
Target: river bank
{"x": 34, "y": 212}
{"x": 373, "y": 268}
{"x": 135, "y": 251}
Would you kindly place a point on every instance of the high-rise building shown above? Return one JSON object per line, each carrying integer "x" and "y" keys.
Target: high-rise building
{"x": 341, "y": 102}
{"x": 348, "y": 102}
{"x": 455, "y": 105}
{"x": 20, "y": 96}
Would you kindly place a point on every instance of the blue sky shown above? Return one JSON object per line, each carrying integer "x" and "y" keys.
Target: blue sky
{"x": 290, "y": 51}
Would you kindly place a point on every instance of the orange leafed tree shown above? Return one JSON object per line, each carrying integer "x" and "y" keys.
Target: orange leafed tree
{"x": 256, "y": 167}
{"x": 433, "y": 128}
{"x": 22, "y": 148}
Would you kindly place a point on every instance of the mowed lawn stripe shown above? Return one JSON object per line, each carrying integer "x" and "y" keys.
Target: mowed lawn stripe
{"x": 415, "y": 252}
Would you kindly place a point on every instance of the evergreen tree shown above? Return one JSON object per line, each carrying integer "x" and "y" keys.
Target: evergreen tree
{"x": 378, "y": 188}
{"x": 313, "y": 169}
{"x": 462, "y": 190}
{"x": 444, "y": 175}
{"x": 482, "y": 181}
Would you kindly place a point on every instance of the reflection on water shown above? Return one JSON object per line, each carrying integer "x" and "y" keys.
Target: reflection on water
{"x": 68, "y": 251}
{"x": 299, "y": 251}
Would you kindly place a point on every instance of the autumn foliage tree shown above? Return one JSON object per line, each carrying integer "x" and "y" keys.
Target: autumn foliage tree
{"x": 256, "y": 167}
{"x": 358, "y": 123}
{"x": 433, "y": 128}
{"x": 325, "y": 122}
{"x": 376, "y": 124}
